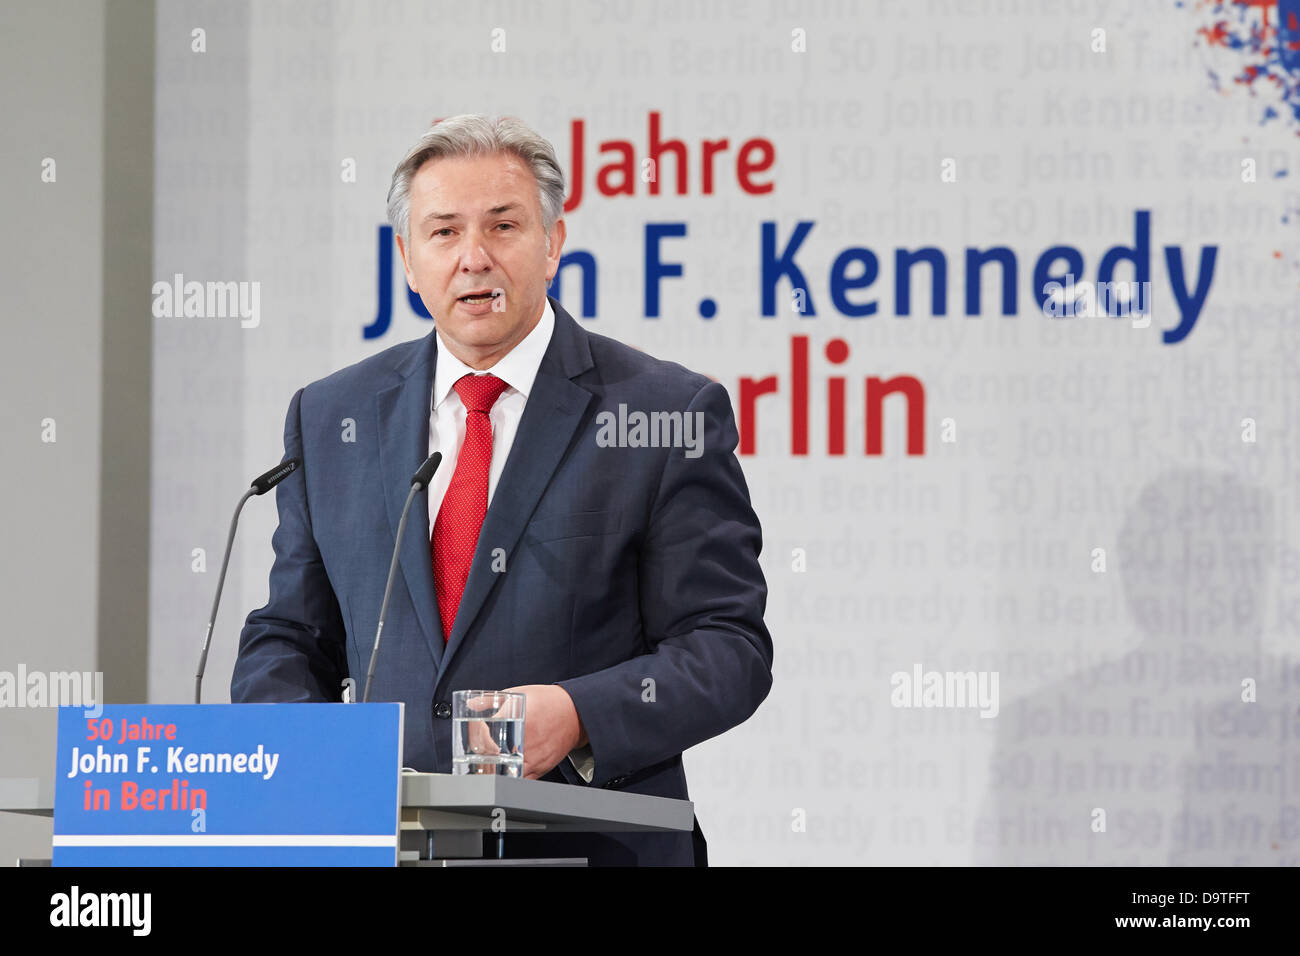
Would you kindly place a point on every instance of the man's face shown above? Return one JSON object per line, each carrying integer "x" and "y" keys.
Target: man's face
{"x": 476, "y": 225}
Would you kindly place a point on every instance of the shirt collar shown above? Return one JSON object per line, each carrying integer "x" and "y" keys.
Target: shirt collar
{"x": 517, "y": 368}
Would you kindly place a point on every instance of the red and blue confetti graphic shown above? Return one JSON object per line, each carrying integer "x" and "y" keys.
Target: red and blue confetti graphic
{"x": 1255, "y": 44}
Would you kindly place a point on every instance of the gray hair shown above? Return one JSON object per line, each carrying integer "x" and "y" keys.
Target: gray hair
{"x": 472, "y": 135}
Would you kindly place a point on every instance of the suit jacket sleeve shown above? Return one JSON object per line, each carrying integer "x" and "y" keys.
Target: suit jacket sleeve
{"x": 702, "y": 597}
{"x": 292, "y": 650}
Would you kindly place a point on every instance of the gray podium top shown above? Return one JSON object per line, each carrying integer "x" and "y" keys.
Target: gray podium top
{"x": 444, "y": 801}
{"x": 30, "y": 795}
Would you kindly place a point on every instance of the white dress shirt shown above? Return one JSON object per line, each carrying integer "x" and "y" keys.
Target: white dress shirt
{"x": 518, "y": 369}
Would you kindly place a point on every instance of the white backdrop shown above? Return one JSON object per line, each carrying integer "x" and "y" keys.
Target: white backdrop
{"x": 895, "y": 126}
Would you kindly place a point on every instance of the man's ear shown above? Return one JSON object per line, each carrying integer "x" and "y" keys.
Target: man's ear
{"x": 554, "y": 248}
{"x": 410, "y": 277}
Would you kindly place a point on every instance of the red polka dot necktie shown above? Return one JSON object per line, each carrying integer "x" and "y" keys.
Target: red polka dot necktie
{"x": 460, "y": 516}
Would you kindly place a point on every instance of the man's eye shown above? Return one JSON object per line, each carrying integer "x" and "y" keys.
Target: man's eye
{"x": 439, "y": 232}
{"x": 506, "y": 224}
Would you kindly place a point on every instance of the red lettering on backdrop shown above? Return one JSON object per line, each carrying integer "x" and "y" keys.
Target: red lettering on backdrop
{"x": 619, "y": 176}
{"x": 877, "y": 389}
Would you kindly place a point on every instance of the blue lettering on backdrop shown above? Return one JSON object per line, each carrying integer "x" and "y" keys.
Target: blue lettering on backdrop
{"x": 655, "y": 267}
{"x": 858, "y": 268}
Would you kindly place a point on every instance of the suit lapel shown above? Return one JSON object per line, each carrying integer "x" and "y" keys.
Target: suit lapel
{"x": 554, "y": 410}
{"x": 403, "y": 411}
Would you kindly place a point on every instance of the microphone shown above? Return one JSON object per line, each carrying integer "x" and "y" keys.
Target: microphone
{"x": 419, "y": 481}
{"x": 260, "y": 486}
{"x": 265, "y": 482}
{"x": 424, "y": 474}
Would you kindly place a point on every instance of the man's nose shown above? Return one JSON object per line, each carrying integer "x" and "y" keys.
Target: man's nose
{"x": 474, "y": 255}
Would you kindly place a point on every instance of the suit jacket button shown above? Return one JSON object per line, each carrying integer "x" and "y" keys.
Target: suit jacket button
{"x": 442, "y": 709}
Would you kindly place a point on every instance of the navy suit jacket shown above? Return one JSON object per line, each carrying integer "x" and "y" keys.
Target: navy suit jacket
{"x": 631, "y": 573}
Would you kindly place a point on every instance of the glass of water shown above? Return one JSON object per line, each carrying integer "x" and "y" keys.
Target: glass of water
{"x": 487, "y": 732}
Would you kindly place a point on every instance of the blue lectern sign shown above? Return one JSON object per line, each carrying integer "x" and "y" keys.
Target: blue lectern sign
{"x": 229, "y": 785}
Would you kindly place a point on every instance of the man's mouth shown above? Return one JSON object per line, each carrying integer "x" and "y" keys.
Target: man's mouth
{"x": 486, "y": 295}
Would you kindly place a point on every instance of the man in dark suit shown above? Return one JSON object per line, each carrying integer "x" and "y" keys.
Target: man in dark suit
{"x": 588, "y": 539}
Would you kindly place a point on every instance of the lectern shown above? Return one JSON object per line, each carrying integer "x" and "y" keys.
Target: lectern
{"x": 444, "y": 816}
